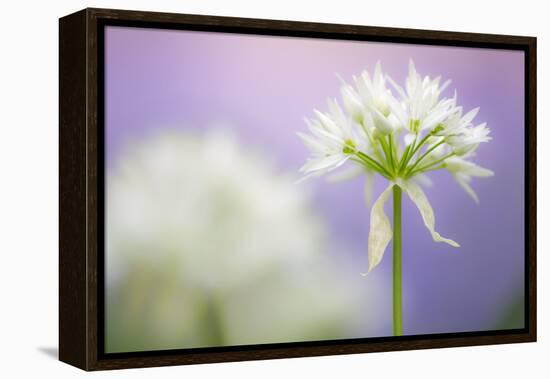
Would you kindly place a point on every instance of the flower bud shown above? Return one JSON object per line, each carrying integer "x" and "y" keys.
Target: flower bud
{"x": 384, "y": 125}
{"x": 352, "y": 103}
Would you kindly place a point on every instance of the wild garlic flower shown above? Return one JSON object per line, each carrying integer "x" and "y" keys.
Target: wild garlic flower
{"x": 400, "y": 134}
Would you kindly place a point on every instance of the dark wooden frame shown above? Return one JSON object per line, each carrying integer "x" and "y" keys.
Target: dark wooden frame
{"x": 81, "y": 180}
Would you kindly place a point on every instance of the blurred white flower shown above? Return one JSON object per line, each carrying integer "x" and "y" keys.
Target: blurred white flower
{"x": 209, "y": 244}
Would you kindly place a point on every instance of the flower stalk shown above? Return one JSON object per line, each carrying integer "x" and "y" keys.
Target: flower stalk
{"x": 400, "y": 135}
{"x": 397, "y": 264}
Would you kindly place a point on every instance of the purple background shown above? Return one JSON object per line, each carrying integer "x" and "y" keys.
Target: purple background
{"x": 264, "y": 86}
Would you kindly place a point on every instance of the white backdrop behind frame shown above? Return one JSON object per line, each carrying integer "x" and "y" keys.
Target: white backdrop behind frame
{"x": 28, "y": 159}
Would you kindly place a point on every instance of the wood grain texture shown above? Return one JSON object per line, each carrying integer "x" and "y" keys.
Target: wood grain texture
{"x": 321, "y": 349}
{"x": 531, "y": 185}
{"x": 312, "y": 29}
{"x": 81, "y": 187}
{"x": 72, "y": 190}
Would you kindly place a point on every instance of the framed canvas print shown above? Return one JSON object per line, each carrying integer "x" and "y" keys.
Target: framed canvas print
{"x": 239, "y": 189}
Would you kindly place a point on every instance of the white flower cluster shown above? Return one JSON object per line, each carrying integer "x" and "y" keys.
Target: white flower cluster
{"x": 400, "y": 134}
{"x": 209, "y": 244}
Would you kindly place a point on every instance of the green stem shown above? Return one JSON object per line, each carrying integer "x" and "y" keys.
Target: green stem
{"x": 396, "y": 247}
{"x": 371, "y": 139}
{"x": 413, "y": 149}
{"x": 374, "y": 164}
{"x": 393, "y": 154}
{"x": 424, "y": 156}
{"x": 429, "y": 166}
{"x": 422, "y": 142}
{"x": 404, "y": 159}
{"x": 387, "y": 153}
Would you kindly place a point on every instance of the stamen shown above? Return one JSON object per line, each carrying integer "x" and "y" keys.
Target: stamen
{"x": 349, "y": 147}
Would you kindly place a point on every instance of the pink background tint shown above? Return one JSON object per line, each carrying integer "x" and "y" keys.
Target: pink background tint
{"x": 264, "y": 86}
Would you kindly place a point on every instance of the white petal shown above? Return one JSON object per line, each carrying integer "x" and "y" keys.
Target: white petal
{"x": 397, "y": 87}
{"x": 436, "y": 117}
{"x": 421, "y": 201}
{"x": 412, "y": 69}
{"x": 327, "y": 123}
{"x": 382, "y": 123}
{"x": 481, "y": 172}
{"x": 335, "y": 110}
{"x": 394, "y": 121}
{"x": 330, "y": 162}
{"x": 445, "y": 85}
{"x": 396, "y": 108}
{"x": 378, "y": 78}
{"x": 369, "y": 187}
{"x": 423, "y": 180}
{"x": 409, "y": 138}
{"x": 463, "y": 181}
{"x": 327, "y": 137}
{"x": 352, "y": 103}
{"x": 348, "y": 174}
{"x": 364, "y": 87}
{"x": 462, "y": 166}
{"x": 311, "y": 143}
{"x": 380, "y": 232}
{"x": 468, "y": 117}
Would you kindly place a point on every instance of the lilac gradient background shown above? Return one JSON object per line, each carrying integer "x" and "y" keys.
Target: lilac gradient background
{"x": 263, "y": 87}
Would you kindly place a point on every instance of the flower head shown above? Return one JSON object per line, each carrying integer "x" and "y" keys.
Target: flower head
{"x": 400, "y": 134}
